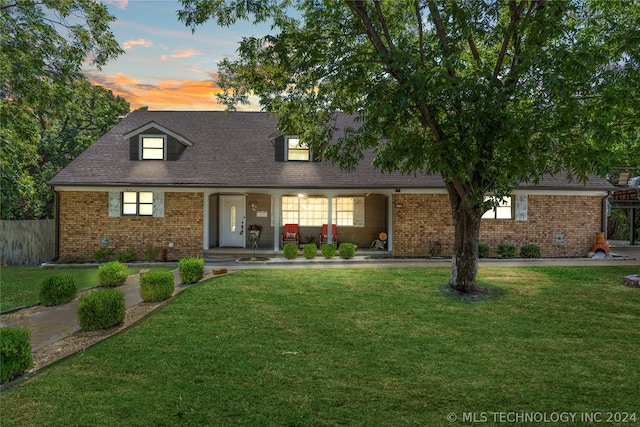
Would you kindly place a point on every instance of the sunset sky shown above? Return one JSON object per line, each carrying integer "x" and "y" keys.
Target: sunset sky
{"x": 165, "y": 66}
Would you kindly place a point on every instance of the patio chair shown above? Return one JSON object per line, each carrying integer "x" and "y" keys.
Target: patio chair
{"x": 324, "y": 234}
{"x": 290, "y": 234}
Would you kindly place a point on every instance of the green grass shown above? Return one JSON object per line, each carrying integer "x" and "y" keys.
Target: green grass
{"x": 357, "y": 347}
{"x": 19, "y": 285}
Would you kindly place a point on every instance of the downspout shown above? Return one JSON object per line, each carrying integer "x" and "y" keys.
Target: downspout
{"x": 56, "y": 217}
{"x": 605, "y": 212}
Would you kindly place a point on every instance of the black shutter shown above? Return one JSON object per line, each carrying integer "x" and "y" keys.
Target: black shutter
{"x": 279, "y": 145}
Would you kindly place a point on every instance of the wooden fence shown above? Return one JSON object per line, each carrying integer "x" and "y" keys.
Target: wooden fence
{"x": 27, "y": 242}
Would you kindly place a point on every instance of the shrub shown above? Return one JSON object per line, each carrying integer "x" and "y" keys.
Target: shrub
{"x": 507, "y": 251}
{"x": 156, "y": 286}
{"x": 112, "y": 274}
{"x": 329, "y": 250}
{"x": 484, "y": 250}
{"x": 101, "y": 309}
{"x": 126, "y": 256}
{"x": 347, "y": 250}
{"x": 191, "y": 270}
{"x": 103, "y": 254}
{"x": 15, "y": 352}
{"x": 530, "y": 251}
{"x": 290, "y": 250}
{"x": 150, "y": 254}
{"x": 309, "y": 250}
{"x": 58, "y": 289}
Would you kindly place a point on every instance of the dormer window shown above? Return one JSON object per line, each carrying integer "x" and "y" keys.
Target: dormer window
{"x": 297, "y": 150}
{"x": 153, "y": 147}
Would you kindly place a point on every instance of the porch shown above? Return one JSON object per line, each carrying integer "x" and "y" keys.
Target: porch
{"x": 214, "y": 254}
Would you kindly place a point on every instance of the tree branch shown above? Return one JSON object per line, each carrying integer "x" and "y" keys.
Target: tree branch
{"x": 420, "y": 32}
{"x": 383, "y": 22}
{"x": 359, "y": 8}
{"x": 515, "y": 16}
{"x": 442, "y": 35}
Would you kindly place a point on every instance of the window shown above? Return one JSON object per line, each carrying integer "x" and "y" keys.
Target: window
{"x": 297, "y": 151}
{"x": 502, "y": 211}
{"x": 152, "y": 147}
{"x": 137, "y": 203}
{"x": 312, "y": 211}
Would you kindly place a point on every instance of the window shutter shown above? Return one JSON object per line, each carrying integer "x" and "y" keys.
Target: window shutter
{"x": 158, "y": 205}
{"x": 134, "y": 153}
{"x": 358, "y": 211}
{"x": 280, "y": 149}
{"x": 522, "y": 207}
{"x": 114, "y": 204}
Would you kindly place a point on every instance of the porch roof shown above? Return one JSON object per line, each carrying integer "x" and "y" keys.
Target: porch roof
{"x": 235, "y": 150}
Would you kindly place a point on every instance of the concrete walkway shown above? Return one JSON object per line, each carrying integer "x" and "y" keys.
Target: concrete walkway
{"x": 54, "y": 323}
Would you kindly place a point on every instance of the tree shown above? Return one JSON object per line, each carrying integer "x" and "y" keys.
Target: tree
{"x": 488, "y": 94}
{"x": 49, "y": 113}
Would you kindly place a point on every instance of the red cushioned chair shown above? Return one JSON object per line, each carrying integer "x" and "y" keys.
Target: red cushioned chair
{"x": 324, "y": 234}
{"x": 290, "y": 234}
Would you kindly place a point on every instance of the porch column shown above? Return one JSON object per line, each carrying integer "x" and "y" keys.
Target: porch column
{"x": 206, "y": 224}
{"x": 329, "y": 218}
{"x": 389, "y": 222}
{"x": 276, "y": 222}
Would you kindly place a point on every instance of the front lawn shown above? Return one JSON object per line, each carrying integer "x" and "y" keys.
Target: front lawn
{"x": 19, "y": 285}
{"x": 368, "y": 347}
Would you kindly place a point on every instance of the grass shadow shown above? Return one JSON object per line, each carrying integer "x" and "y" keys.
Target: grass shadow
{"x": 481, "y": 293}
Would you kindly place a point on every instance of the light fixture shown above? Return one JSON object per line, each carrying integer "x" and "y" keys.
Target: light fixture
{"x": 253, "y": 206}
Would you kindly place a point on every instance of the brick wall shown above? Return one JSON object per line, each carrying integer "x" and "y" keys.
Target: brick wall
{"x": 425, "y": 219}
{"x": 84, "y": 221}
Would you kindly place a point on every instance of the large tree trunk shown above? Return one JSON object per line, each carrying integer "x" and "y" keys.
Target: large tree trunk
{"x": 464, "y": 264}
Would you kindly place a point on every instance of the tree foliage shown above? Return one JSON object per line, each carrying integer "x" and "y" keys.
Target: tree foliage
{"x": 49, "y": 112}
{"x": 488, "y": 94}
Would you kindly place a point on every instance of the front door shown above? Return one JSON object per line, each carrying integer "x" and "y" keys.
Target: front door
{"x": 232, "y": 221}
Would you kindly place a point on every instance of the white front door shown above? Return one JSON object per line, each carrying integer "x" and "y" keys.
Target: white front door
{"x": 232, "y": 221}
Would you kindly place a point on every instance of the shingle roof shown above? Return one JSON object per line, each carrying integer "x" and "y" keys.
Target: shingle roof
{"x": 233, "y": 150}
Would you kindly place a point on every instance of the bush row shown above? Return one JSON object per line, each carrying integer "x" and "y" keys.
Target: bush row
{"x": 346, "y": 250}
{"x": 511, "y": 251}
{"x": 106, "y": 254}
{"x": 15, "y": 353}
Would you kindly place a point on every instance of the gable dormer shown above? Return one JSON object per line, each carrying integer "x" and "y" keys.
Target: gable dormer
{"x": 291, "y": 149}
{"x": 155, "y": 142}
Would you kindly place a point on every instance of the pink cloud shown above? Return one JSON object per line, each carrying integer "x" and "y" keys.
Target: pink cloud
{"x": 185, "y": 53}
{"x": 139, "y": 42}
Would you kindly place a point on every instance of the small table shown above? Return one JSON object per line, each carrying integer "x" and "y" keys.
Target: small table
{"x": 254, "y": 235}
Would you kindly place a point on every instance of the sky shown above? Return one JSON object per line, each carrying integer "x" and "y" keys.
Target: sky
{"x": 165, "y": 66}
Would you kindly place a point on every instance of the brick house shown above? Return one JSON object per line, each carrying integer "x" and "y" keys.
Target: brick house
{"x": 192, "y": 181}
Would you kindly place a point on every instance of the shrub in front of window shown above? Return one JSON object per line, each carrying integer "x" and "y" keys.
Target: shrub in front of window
{"x": 191, "y": 270}
{"x": 507, "y": 251}
{"x": 484, "y": 250}
{"x": 112, "y": 274}
{"x": 290, "y": 250}
{"x": 347, "y": 250}
{"x": 150, "y": 254}
{"x": 328, "y": 250}
{"x": 156, "y": 286}
{"x": 126, "y": 256}
{"x": 530, "y": 251}
{"x": 15, "y": 352}
{"x": 101, "y": 309}
{"x": 58, "y": 289}
{"x": 103, "y": 254}
{"x": 309, "y": 250}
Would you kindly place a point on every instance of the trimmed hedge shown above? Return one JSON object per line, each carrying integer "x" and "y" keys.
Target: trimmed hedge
{"x": 290, "y": 250}
{"x": 347, "y": 250}
{"x": 101, "y": 309}
{"x": 156, "y": 285}
{"x": 484, "y": 250}
{"x": 309, "y": 250}
{"x": 507, "y": 251}
{"x": 57, "y": 290}
{"x": 126, "y": 256}
{"x": 328, "y": 250}
{"x": 191, "y": 270}
{"x": 530, "y": 251}
{"x": 15, "y": 352}
{"x": 112, "y": 274}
